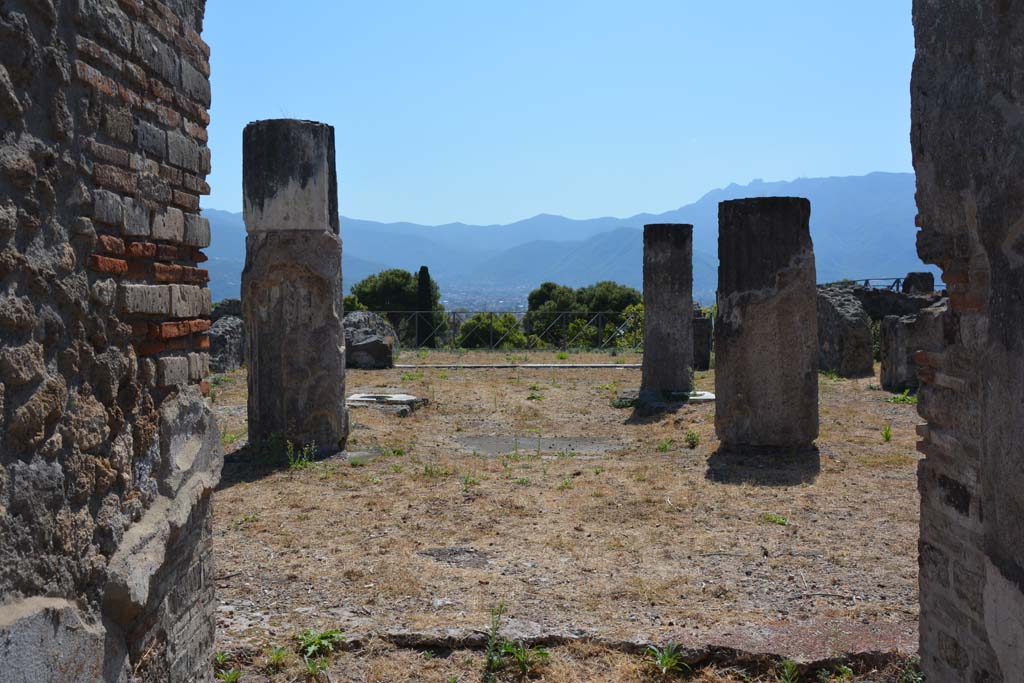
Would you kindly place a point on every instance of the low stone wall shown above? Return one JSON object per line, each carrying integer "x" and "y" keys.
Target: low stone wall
{"x": 108, "y": 453}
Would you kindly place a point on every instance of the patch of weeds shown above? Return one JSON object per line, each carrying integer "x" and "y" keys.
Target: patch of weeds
{"x": 599, "y": 471}
{"x": 611, "y": 386}
{"x": 356, "y": 461}
{"x": 373, "y": 479}
{"x": 535, "y": 387}
{"x": 227, "y": 438}
{"x": 911, "y": 673}
{"x": 664, "y": 445}
{"x": 220, "y": 659}
{"x": 313, "y": 643}
{"x": 412, "y": 376}
{"x": 468, "y": 482}
{"x": 302, "y": 458}
{"x": 773, "y": 518}
{"x": 562, "y": 355}
{"x": 692, "y": 439}
{"x": 522, "y": 481}
{"x": 789, "y": 672}
{"x": 534, "y": 396}
{"x": 527, "y": 659}
{"x": 839, "y": 674}
{"x": 436, "y": 471}
{"x": 229, "y": 675}
{"x": 422, "y": 354}
{"x": 249, "y": 519}
{"x": 832, "y": 375}
{"x": 874, "y": 387}
{"x": 566, "y": 454}
{"x": 500, "y": 652}
{"x": 397, "y": 469}
{"x": 396, "y": 452}
{"x": 565, "y": 485}
{"x": 903, "y": 399}
{"x": 442, "y": 375}
{"x": 667, "y": 659}
{"x": 887, "y": 433}
{"x": 217, "y": 380}
{"x": 277, "y": 657}
{"x": 314, "y": 669}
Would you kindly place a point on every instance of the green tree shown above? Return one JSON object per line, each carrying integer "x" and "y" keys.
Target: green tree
{"x": 586, "y": 317}
{"x": 484, "y": 330}
{"x": 425, "y": 302}
{"x": 396, "y": 292}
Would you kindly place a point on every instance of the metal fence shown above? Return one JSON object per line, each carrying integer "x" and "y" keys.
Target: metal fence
{"x": 516, "y": 330}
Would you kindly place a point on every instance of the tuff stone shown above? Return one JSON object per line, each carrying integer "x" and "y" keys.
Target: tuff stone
{"x": 901, "y": 338}
{"x": 370, "y": 341}
{"x": 169, "y": 225}
{"x": 197, "y": 231}
{"x": 766, "y": 351}
{"x": 668, "y": 311}
{"x": 703, "y": 335}
{"x": 145, "y": 299}
{"x": 227, "y": 343}
{"x": 845, "y": 344}
{"x": 171, "y": 371}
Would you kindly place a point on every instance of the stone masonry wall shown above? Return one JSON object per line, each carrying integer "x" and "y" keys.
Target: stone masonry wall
{"x": 968, "y": 143}
{"x": 108, "y": 452}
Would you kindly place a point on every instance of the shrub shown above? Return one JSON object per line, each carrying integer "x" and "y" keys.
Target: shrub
{"x": 491, "y": 330}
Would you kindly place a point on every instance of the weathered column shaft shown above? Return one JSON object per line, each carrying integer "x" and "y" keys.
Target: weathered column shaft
{"x": 291, "y": 285}
{"x": 668, "y": 310}
{"x": 766, "y": 334}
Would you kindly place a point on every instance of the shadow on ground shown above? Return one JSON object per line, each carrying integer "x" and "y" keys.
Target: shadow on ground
{"x": 764, "y": 466}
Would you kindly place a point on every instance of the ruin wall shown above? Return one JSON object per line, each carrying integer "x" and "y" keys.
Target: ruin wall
{"x": 108, "y": 452}
{"x": 967, "y": 137}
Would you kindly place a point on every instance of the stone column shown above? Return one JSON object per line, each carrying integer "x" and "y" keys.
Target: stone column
{"x": 291, "y": 285}
{"x": 766, "y": 334}
{"x": 703, "y": 327}
{"x": 668, "y": 312}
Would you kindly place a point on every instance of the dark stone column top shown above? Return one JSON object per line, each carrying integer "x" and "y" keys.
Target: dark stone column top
{"x": 758, "y": 238}
{"x": 289, "y": 178}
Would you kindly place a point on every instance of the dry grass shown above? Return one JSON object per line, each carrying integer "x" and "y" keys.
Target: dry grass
{"x": 636, "y": 542}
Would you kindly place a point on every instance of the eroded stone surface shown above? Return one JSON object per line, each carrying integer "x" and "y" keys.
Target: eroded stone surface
{"x": 766, "y": 349}
{"x": 370, "y": 341}
{"x": 902, "y": 338}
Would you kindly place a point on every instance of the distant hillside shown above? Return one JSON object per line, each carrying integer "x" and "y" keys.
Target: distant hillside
{"x": 862, "y": 226}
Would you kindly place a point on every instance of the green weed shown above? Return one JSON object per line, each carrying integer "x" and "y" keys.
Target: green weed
{"x": 412, "y": 376}
{"x": 664, "y": 445}
{"x": 691, "y": 438}
{"x": 903, "y": 399}
{"x": 313, "y": 643}
{"x": 789, "y": 672}
{"x": 667, "y": 659}
{"x": 229, "y": 675}
{"x": 887, "y": 433}
{"x": 772, "y": 518}
{"x": 276, "y": 658}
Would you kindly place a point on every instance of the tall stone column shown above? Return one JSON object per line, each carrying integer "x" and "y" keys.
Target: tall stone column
{"x": 668, "y": 312}
{"x": 291, "y": 285}
{"x": 766, "y": 334}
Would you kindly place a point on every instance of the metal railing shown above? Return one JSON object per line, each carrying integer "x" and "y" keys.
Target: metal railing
{"x": 517, "y": 330}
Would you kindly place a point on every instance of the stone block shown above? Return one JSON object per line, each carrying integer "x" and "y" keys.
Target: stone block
{"x": 197, "y": 231}
{"x": 144, "y": 299}
{"x": 152, "y": 139}
{"x": 766, "y": 333}
{"x": 136, "y": 218}
{"x": 172, "y": 371}
{"x": 169, "y": 225}
{"x": 183, "y": 151}
{"x": 157, "y": 56}
{"x": 703, "y": 336}
{"x": 108, "y": 208}
{"x": 919, "y": 283}
{"x": 198, "y": 366}
{"x": 188, "y": 301}
{"x": 194, "y": 83}
{"x": 845, "y": 343}
{"x": 900, "y": 338}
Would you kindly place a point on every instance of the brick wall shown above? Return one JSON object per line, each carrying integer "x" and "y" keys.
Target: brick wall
{"x": 968, "y": 144}
{"x": 103, "y": 347}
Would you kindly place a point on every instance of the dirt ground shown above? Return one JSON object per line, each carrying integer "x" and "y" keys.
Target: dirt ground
{"x": 526, "y": 488}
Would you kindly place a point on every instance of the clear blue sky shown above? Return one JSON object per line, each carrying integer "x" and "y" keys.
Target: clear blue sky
{"x": 489, "y": 111}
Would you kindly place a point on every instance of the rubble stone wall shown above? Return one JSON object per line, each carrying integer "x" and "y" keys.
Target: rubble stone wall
{"x": 108, "y": 452}
{"x": 967, "y": 136}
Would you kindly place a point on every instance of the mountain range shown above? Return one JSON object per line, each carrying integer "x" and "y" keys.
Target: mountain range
{"x": 862, "y": 226}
